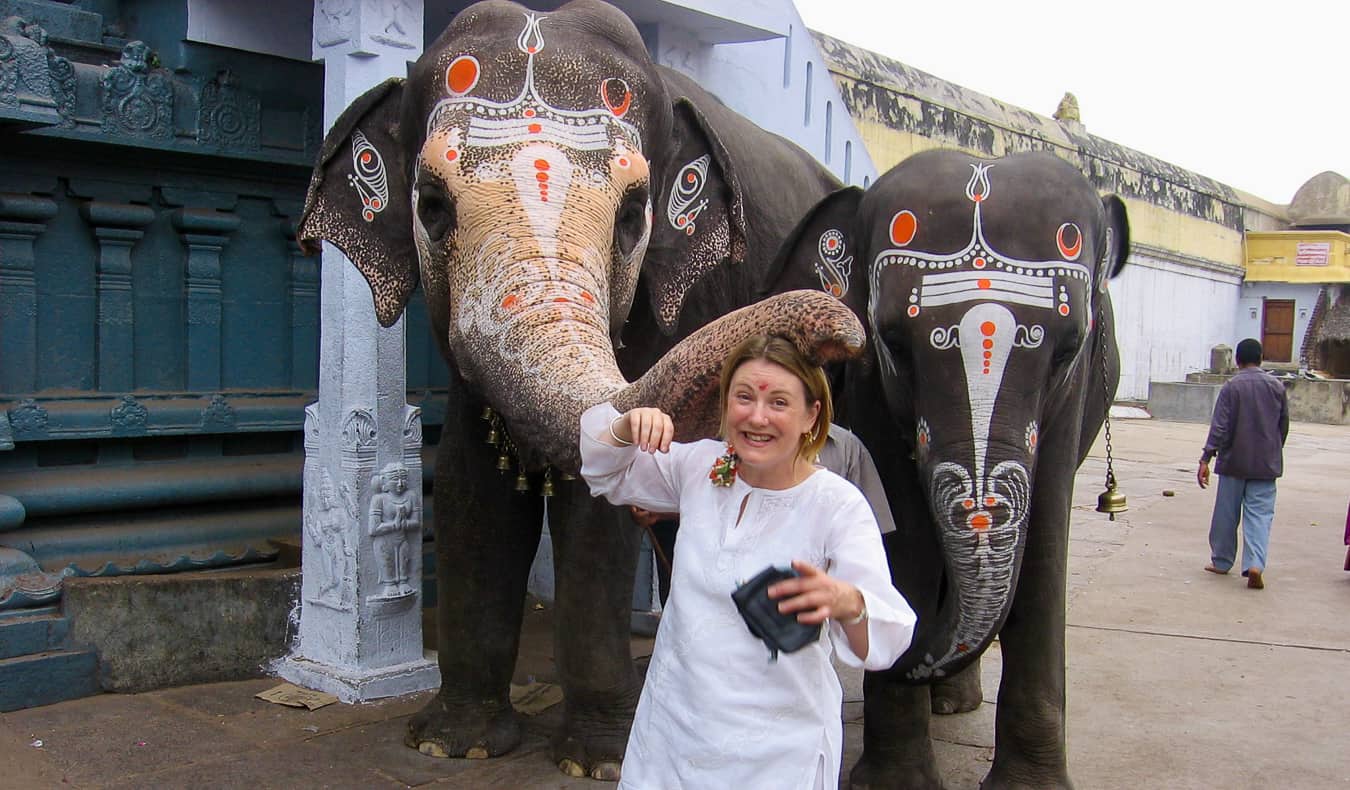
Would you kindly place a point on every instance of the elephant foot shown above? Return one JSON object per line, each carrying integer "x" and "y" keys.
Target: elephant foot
{"x": 872, "y": 773}
{"x": 959, "y": 694}
{"x": 591, "y": 743}
{"x": 474, "y": 731}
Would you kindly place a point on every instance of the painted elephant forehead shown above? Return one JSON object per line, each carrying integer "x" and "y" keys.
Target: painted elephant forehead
{"x": 980, "y": 272}
{"x": 588, "y": 103}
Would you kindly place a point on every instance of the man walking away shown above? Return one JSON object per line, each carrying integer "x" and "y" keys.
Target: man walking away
{"x": 1251, "y": 422}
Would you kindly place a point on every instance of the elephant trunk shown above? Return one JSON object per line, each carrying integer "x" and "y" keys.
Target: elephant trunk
{"x": 561, "y": 362}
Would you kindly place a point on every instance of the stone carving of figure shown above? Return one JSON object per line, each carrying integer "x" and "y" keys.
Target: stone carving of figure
{"x": 1068, "y": 109}
{"x": 393, "y": 519}
{"x": 324, "y": 525}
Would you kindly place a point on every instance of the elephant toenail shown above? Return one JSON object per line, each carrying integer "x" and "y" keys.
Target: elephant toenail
{"x": 606, "y": 772}
{"x": 431, "y": 749}
{"x": 572, "y": 768}
{"x": 476, "y": 753}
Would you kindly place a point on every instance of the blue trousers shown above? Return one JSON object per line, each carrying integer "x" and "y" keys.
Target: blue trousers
{"x": 1252, "y": 501}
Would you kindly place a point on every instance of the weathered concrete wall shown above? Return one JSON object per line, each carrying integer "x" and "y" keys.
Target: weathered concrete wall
{"x": 172, "y": 630}
{"x": 1325, "y": 401}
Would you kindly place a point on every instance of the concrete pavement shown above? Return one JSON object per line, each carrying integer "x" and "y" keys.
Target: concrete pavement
{"x": 1177, "y": 678}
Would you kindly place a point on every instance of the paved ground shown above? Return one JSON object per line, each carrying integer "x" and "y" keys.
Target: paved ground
{"x": 1177, "y": 678}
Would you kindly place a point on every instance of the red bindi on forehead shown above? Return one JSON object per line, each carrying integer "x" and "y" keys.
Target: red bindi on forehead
{"x": 763, "y": 386}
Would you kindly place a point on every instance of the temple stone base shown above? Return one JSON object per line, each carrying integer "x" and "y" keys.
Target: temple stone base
{"x": 361, "y": 686}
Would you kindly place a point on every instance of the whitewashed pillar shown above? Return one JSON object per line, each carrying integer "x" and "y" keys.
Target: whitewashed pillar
{"x": 360, "y": 633}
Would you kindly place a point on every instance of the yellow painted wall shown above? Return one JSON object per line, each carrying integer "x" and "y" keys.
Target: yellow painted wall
{"x": 1272, "y": 257}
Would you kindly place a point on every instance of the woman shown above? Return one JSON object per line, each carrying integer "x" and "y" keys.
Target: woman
{"x": 714, "y": 711}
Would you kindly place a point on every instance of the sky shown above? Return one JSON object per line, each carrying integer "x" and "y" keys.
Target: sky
{"x": 1254, "y": 96}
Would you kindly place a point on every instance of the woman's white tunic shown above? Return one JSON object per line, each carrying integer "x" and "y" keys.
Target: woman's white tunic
{"x": 714, "y": 711}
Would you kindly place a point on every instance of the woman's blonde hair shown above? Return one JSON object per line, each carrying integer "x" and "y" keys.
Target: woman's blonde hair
{"x": 780, "y": 351}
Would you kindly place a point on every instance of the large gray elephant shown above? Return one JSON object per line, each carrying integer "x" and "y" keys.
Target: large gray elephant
{"x": 575, "y": 213}
{"x": 982, "y": 284}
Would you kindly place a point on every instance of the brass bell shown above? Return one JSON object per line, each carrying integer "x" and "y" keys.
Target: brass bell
{"x": 567, "y": 477}
{"x": 493, "y": 438}
{"x": 1111, "y": 501}
{"x": 503, "y": 462}
{"x": 546, "y": 490}
{"x": 487, "y": 413}
{"x": 522, "y": 482}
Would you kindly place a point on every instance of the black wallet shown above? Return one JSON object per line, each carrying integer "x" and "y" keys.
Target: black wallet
{"x": 781, "y": 632}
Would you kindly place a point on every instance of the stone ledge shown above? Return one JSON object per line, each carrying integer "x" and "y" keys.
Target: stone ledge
{"x": 153, "y": 632}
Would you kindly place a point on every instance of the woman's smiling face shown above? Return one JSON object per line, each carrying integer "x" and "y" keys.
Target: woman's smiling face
{"x": 766, "y": 414}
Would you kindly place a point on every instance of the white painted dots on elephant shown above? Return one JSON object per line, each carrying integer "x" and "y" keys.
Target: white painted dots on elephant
{"x": 833, "y": 266}
{"x": 368, "y": 178}
{"x": 978, "y": 272}
{"x": 684, "y": 205}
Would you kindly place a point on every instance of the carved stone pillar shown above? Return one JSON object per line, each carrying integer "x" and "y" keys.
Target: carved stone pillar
{"x": 361, "y": 598}
{"x": 117, "y": 227}
{"x": 22, "y": 219}
{"x": 205, "y": 233}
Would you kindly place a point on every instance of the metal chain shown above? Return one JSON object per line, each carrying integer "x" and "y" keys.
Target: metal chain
{"x": 1106, "y": 396}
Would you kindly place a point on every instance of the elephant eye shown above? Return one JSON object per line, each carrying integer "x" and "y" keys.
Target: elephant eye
{"x": 631, "y": 220}
{"x": 436, "y": 211}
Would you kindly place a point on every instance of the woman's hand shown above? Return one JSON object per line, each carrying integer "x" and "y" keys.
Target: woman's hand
{"x": 650, "y": 429}
{"x": 816, "y": 596}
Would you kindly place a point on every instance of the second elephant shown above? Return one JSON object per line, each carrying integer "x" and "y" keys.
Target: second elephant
{"x": 990, "y": 366}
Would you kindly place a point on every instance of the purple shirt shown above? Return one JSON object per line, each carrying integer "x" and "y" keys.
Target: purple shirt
{"x": 1250, "y": 424}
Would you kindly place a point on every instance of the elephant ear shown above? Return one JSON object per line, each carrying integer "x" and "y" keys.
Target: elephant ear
{"x": 821, "y": 253}
{"x": 1116, "y": 241}
{"x": 698, "y": 217}
{"x": 359, "y": 199}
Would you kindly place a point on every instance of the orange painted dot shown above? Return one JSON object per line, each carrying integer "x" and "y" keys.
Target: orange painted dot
{"x": 680, "y": 220}
{"x": 988, "y": 328}
{"x": 835, "y": 290}
{"x": 832, "y": 243}
{"x": 967, "y": 503}
{"x": 1063, "y": 309}
{"x": 541, "y": 176}
{"x": 986, "y": 370}
{"x": 983, "y": 284}
{"x": 532, "y": 49}
{"x": 561, "y": 300}
{"x": 913, "y": 311}
{"x": 365, "y": 158}
{"x": 988, "y": 343}
{"x": 451, "y": 155}
{"x": 690, "y": 178}
{"x": 980, "y": 521}
{"x": 534, "y": 128}
{"x": 543, "y": 198}
{"x": 587, "y": 296}
{"x": 375, "y": 203}
{"x": 979, "y": 198}
{"x": 903, "y": 228}
{"x": 529, "y": 112}
{"x": 988, "y": 355}
{"x": 462, "y": 74}
{"x": 510, "y": 301}
{"x": 963, "y": 648}
{"x": 623, "y": 161}
{"x": 990, "y": 501}
{"x": 541, "y": 164}
{"x": 979, "y": 263}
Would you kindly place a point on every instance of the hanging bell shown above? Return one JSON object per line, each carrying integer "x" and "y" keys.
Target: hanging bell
{"x": 1111, "y": 501}
{"x": 503, "y": 463}
{"x": 567, "y": 477}
{"x": 522, "y": 482}
{"x": 487, "y": 413}
{"x": 546, "y": 490}
{"x": 494, "y": 438}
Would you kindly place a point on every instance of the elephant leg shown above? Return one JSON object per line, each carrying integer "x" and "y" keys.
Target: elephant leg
{"x": 595, "y": 556}
{"x": 1029, "y": 749}
{"x": 897, "y": 752}
{"x": 486, "y": 536}
{"x": 960, "y": 693}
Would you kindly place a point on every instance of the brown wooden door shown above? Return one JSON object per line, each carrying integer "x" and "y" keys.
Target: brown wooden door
{"x": 1277, "y": 330}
